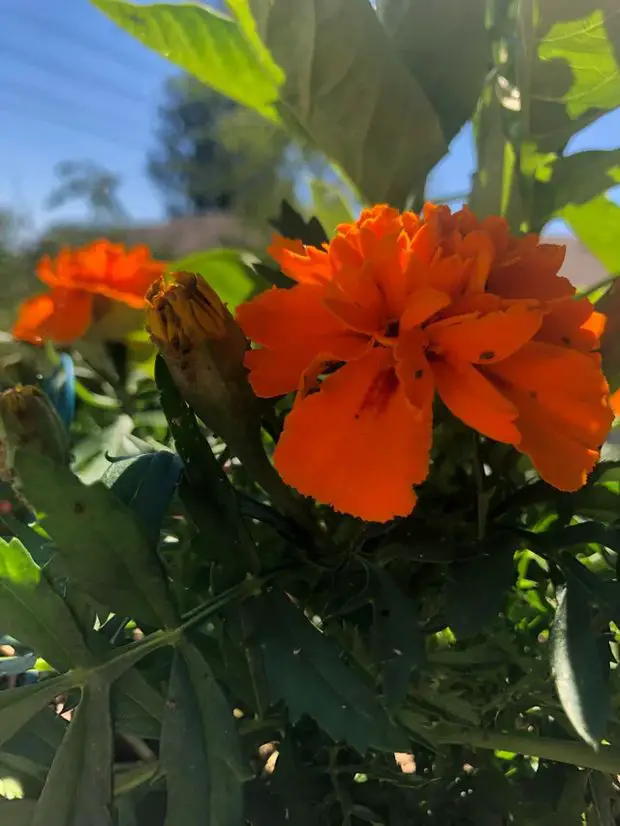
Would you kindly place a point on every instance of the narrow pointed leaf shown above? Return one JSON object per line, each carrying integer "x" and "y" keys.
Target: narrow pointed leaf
{"x": 99, "y": 540}
{"x": 200, "y": 749}
{"x": 78, "y": 789}
{"x": 576, "y": 665}
{"x": 19, "y": 705}
{"x": 304, "y": 668}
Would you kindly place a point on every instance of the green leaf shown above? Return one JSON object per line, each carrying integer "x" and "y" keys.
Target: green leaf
{"x": 576, "y": 665}
{"x": 99, "y": 541}
{"x": 32, "y": 611}
{"x": 428, "y": 36}
{"x": 397, "y": 639}
{"x": 16, "y": 812}
{"x": 207, "y": 44}
{"x": 19, "y": 705}
{"x": 597, "y": 225}
{"x": 341, "y": 68}
{"x": 304, "y": 668}
{"x": 329, "y": 205}
{"x": 575, "y": 76}
{"x": 200, "y": 749}
{"x": 78, "y": 789}
{"x": 39, "y": 740}
{"x": 295, "y": 782}
{"x": 478, "y": 588}
{"x": 146, "y": 483}
{"x": 226, "y": 270}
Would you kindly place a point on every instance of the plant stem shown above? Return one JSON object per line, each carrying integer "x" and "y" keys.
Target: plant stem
{"x": 606, "y": 759}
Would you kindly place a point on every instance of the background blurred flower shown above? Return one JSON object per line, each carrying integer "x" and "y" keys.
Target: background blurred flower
{"x": 97, "y": 289}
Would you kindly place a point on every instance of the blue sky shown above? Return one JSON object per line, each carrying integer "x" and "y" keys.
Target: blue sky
{"x": 74, "y": 86}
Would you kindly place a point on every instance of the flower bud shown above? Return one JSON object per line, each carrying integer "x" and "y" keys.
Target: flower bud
{"x": 203, "y": 348}
{"x": 28, "y": 419}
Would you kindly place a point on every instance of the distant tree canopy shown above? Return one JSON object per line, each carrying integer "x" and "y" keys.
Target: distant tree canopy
{"x": 213, "y": 154}
{"x": 92, "y": 184}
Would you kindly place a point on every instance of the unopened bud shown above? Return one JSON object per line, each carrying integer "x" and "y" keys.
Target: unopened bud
{"x": 28, "y": 419}
{"x": 204, "y": 347}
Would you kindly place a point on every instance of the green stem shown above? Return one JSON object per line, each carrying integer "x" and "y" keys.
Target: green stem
{"x": 606, "y": 759}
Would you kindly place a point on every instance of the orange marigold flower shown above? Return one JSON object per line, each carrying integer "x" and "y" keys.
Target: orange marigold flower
{"x": 83, "y": 282}
{"x": 398, "y": 308}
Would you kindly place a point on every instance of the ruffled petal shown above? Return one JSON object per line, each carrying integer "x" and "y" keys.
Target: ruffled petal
{"x": 306, "y": 265}
{"x": 561, "y": 459}
{"x": 475, "y": 401}
{"x": 357, "y": 445}
{"x": 295, "y": 327}
{"x": 61, "y": 316}
{"x": 572, "y": 322}
{"x": 486, "y": 339}
{"x": 414, "y": 371}
{"x": 530, "y": 270}
{"x": 567, "y": 386}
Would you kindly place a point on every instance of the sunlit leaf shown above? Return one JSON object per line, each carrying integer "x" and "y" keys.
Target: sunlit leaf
{"x": 576, "y": 665}
{"x": 205, "y": 43}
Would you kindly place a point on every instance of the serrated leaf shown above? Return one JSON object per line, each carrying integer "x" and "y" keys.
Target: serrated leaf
{"x": 32, "y": 611}
{"x": 19, "y": 705}
{"x": 99, "y": 541}
{"x": 205, "y": 43}
{"x": 291, "y": 224}
{"x": 78, "y": 788}
{"x": 397, "y": 639}
{"x": 427, "y": 35}
{"x": 146, "y": 483}
{"x": 576, "y": 665}
{"x": 200, "y": 749}
{"x": 304, "y": 668}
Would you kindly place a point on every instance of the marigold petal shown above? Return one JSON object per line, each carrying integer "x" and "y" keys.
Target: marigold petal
{"x": 295, "y": 327}
{"x": 487, "y": 339}
{"x": 530, "y": 270}
{"x": 568, "y": 386}
{"x": 573, "y": 322}
{"x": 61, "y": 316}
{"x": 421, "y": 305}
{"x": 306, "y": 265}
{"x": 475, "y": 401}
{"x": 414, "y": 371}
{"x": 560, "y": 459}
{"x": 357, "y": 444}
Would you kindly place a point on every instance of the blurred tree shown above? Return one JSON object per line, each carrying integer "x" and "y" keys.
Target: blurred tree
{"x": 91, "y": 183}
{"x": 213, "y": 154}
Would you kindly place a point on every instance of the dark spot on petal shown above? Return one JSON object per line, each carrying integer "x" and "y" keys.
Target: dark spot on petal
{"x": 566, "y": 340}
{"x": 487, "y": 355}
{"x": 356, "y": 417}
{"x": 533, "y": 394}
{"x": 418, "y": 374}
{"x": 392, "y": 329}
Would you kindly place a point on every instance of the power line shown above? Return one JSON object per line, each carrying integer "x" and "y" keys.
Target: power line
{"x": 70, "y": 124}
{"x": 36, "y": 93}
{"x": 21, "y": 56}
{"x": 48, "y": 24}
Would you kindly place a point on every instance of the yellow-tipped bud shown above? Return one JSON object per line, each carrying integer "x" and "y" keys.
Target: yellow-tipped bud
{"x": 185, "y": 312}
{"x": 203, "y": 347}
{"x": 28, "y": 419}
